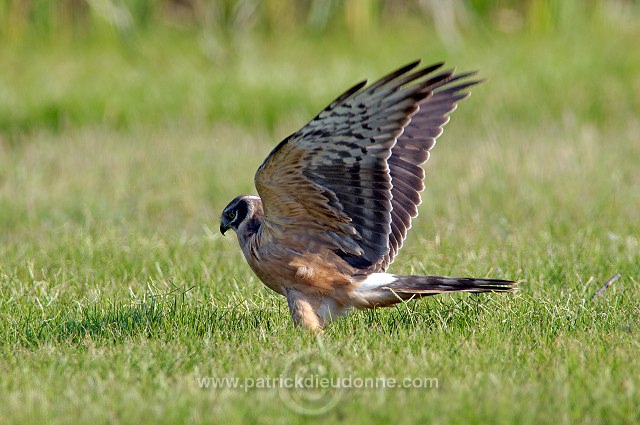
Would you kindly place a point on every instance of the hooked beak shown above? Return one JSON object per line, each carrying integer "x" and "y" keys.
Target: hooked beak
{"x": 223, "y": 228}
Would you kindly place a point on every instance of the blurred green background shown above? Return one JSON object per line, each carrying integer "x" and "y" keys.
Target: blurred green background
{"x": 126, "y": 127}
{"x": 74, "y": 63}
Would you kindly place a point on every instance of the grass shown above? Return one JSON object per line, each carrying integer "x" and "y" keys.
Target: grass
{"x": 118, "y": 295}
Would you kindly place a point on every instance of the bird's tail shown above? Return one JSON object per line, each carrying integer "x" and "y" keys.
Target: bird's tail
{"x": 384, "y": 289}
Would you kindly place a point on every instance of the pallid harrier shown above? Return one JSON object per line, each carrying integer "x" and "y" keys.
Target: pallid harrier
{"x": 337, "y": 198}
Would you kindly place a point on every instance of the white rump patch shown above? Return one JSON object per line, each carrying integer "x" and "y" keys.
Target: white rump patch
{"x": 368, "y": 293}
{"x": 375, "y": 280}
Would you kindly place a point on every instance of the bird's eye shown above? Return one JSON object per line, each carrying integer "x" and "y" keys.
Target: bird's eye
{"x": 231, "y": 215}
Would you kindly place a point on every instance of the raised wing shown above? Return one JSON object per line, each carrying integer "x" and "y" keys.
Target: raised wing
{"x": 350, "y": 178}
{"x": 412, "y": 150}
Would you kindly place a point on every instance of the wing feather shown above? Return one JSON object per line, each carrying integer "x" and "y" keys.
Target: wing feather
{"x": 351, "y": 177}
{"x": 412, "y": 150}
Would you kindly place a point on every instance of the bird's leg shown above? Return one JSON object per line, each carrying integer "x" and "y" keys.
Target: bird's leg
{"x": 304, "y": 310}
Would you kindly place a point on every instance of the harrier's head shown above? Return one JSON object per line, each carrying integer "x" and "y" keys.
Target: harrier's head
{"x": 243, "y": 214}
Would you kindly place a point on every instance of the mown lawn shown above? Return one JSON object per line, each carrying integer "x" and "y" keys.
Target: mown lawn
{"x": 119, "y": 300}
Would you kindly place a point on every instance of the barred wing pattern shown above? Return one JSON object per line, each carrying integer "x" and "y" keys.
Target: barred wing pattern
{"x": 411, "y": 151}
{"x": 351, "y": 178}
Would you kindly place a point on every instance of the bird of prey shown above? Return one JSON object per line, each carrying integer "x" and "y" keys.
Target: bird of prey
{"x": 337, "y": 198}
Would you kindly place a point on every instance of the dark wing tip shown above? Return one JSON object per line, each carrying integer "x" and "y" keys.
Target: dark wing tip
{"x": 451, "y": 88}
{"x": 344, "y": 96}
{"x": 406, "y": 68}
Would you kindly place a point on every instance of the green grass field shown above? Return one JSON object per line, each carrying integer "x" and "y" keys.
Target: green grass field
{"x": 120, "y": 301}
